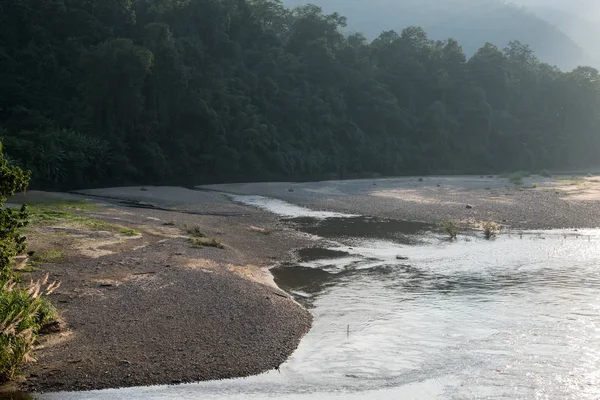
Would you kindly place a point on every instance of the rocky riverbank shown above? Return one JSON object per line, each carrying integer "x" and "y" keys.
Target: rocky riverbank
{"x": 146, "y": 299}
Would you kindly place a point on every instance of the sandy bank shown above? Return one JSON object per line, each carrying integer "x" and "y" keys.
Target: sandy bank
{"x": 540, "y": 203}
{"x": 152, "y": 308}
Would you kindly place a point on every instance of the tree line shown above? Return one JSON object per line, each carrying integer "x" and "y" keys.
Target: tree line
{"x": 107, "y": 92}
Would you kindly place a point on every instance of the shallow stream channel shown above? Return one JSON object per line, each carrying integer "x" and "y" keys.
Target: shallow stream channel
{"x": 401, "y": 312}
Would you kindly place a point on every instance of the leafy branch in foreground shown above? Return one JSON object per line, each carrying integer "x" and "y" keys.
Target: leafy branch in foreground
{"x": 24, "y": 310}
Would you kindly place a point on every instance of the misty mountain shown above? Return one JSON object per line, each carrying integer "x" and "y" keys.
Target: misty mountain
{"x": 578, "y": 19}
{"x": 471, "y": 22}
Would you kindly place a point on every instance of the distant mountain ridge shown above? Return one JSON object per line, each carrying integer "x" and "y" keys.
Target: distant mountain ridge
{"x": 583, "y": 29}
{"x": 472, "y": 23}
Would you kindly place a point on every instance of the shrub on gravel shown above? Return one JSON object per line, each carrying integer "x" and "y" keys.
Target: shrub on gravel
{"x": 516, "y": 178}
{"x": 451, "y": 228}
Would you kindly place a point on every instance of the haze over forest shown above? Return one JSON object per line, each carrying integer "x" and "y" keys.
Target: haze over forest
{"x": 167, "y": 91}
{"x": 561, "y": 32}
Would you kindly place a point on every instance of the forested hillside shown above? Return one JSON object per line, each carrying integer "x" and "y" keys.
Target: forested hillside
{"x": 471, "y": 22}
{"x": 97, "y": 92}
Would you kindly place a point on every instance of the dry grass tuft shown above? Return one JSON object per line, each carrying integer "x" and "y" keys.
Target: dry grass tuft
{"x": 195, "y": 231}
{"x": 201, "y": 242}
{"x": 490, "y": 229}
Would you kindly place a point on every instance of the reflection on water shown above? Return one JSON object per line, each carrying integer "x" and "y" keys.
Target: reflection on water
{"x": 363, "y": 227}
{"x": 515, "y": 317}
{"x": 318, "y": 253}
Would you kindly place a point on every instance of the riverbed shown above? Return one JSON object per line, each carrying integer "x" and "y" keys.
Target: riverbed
{"x": 401, "y": 311}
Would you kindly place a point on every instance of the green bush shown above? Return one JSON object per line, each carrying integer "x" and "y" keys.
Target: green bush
{"x": 23, "y": 309}
{"x": 545, "y": 173}
{"x": 516, "y": 178}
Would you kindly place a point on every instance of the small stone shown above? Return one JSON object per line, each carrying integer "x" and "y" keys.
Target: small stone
{"x": 290, "y": 190}
{"x": 469, "y": 207}
{"x": 399, "y": 257}
{"x": 51, "y": 327}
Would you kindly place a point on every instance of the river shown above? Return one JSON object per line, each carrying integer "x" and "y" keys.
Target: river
{"x": 400, "y": 311}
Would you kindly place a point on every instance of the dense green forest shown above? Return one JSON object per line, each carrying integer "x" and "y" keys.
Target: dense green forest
{"x": 98, "y": 92}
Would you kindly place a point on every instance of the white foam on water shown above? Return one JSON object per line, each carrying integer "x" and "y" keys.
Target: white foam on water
{"x": 285, "y": 209}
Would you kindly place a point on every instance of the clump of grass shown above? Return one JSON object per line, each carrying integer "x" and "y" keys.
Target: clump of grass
{"x": 48, "y": 256}
{"x": 516, "y": 178}
{"x": 490, "y": 229}
{"x": 545, "y": 173}
{"x": 195, "y": 231}
{"x": 201, "y": 242}
{"x": 75, "y": 204}
{"x": 23, "y": 314}
{"x": 451, "y": 228}
{"x": 40, "y": 215}
{"x": 128, "y": 232}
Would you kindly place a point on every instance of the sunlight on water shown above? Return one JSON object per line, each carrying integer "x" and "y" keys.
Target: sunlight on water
{"x": 514, "y": 317}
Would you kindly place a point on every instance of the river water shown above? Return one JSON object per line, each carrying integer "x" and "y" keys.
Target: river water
{"x": 513, "y": 317}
